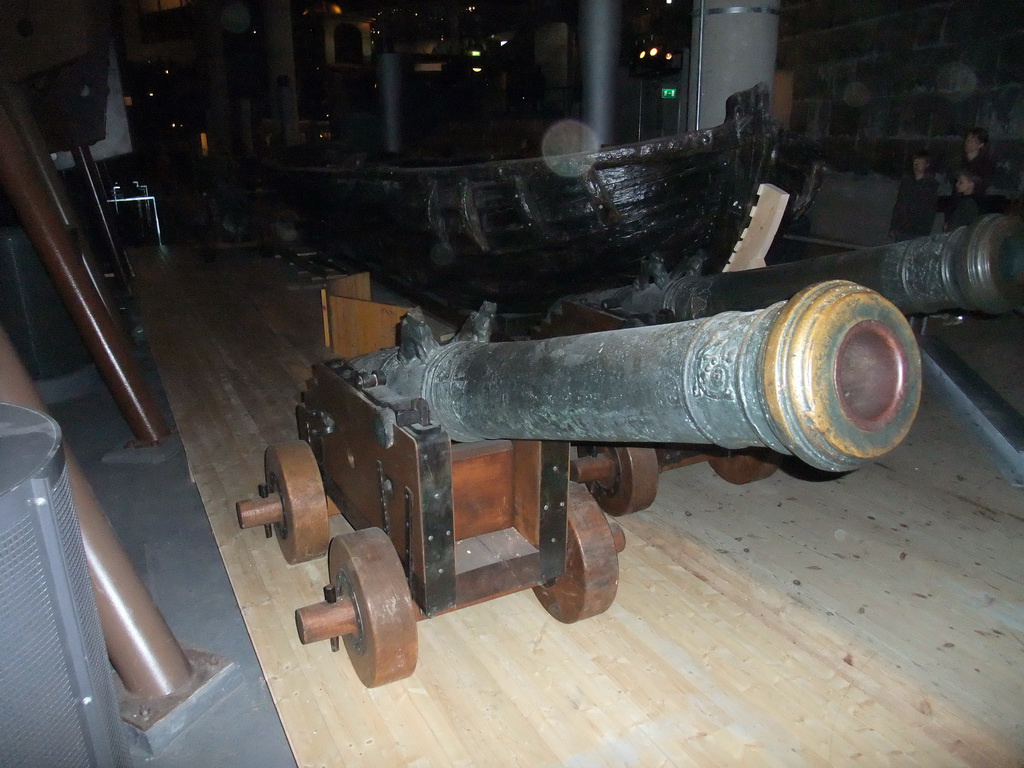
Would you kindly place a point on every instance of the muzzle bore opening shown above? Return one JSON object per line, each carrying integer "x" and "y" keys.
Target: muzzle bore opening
{"x": 871, "y": 375}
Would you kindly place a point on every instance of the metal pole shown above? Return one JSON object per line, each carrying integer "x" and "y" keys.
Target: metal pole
{"x": 26, "y": 188}
{"x": 700, "y": 66}
{"x": 599, "y": 23}
{"x": 90, "y": 174}
{"x": 389, "y": 82}
{"x": 142, "y": 649}
{"x": 640, "y": 113}
{"x": 38, "y": 154}
{"x": 281, "y": 65}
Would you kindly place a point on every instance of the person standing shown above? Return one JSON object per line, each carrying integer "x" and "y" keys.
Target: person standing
{"x": 916, "y": 198}
{"x": 967, "y": 208}
{"x": 977, "y": 158}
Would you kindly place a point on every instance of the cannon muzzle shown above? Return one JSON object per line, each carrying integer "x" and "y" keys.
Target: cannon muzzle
{"x": 975, "y": 268}
{"x": 831, "y": 376}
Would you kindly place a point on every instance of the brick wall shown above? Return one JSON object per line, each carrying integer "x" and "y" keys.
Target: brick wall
{"x": 875, "y": 80}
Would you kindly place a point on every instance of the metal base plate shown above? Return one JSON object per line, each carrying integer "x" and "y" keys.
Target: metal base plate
{"x": 168, "y": 450}
{"x": 154, "y": 723}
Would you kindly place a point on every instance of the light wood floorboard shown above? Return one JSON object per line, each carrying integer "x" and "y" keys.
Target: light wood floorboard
{"x": 875, "y": 619}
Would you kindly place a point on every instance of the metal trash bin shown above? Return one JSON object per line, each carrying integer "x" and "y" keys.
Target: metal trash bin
{"x": 58, "y": 706}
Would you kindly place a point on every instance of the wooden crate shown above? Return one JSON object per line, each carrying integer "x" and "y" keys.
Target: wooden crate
{"x": 354, "y": 324}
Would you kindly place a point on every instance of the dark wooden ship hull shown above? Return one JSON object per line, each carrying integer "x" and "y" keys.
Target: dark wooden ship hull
{"x": 520, "y": 234}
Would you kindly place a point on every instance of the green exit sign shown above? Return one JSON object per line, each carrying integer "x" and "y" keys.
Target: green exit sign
{"x": 668, "y": 93}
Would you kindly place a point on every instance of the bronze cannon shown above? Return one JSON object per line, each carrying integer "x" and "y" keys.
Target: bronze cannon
{"x": 977, "y": 268}
{"x": 453, "y": 461}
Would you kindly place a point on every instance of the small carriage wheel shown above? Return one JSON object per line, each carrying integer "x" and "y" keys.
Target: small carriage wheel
{"x": 365, "y": 568}
{"x": 636, "y": 483}
{"x": 746, "y": 466}
{"x": 591, "y": 576}
{"x": 292, "y": 471}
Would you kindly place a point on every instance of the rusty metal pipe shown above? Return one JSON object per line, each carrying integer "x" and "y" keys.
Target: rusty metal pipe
{"x": 22, "y": 182}
{"x": 38, "y": 154}
{"x": 141, "y": 647}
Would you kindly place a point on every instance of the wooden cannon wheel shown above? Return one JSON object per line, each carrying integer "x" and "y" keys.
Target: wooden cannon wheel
{"x": 633, "y": 484}
{"x": 591, "y": 576}
{"x": 746, "y": 466}
{"x": 365, "y": 569}
{"x": 292, "y": 471}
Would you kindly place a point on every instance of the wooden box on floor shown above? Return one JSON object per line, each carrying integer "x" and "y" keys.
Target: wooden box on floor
{"x": 354, "y": 324}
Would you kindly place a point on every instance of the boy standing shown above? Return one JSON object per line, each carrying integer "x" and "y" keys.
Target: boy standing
{"x": 914, "y": 212}
{"x": 966, "y": 209}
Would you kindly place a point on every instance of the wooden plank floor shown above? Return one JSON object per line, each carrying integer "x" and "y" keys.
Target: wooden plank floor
{"x": 875, "y": 619}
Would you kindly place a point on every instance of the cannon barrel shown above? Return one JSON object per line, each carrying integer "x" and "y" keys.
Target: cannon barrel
{"x": 980, "y": 267}
{"x": 831, "y": 376}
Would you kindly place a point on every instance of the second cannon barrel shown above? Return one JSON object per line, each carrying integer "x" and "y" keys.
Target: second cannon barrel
{"x": 975, "y": 268}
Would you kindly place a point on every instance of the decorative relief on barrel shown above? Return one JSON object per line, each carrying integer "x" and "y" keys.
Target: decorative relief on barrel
{"x": 715, "y": 366}
{"x": 923, "y": 274}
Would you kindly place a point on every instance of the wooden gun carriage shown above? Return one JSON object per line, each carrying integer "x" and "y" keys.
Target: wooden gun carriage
{"x": 453, "y": 462}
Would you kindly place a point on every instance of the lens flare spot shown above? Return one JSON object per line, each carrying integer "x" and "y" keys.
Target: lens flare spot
{"x": 565, "y": 145}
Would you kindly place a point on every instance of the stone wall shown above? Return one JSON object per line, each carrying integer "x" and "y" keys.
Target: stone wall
{"x": 875, "y": 80}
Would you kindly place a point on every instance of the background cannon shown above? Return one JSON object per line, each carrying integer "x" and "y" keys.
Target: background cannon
{"x": 832, "y": 375}
{"x": 976, "y": 268}
{"x": 980, "y": 268}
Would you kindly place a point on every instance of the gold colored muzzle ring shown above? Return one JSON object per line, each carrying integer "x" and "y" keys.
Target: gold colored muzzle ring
{"x": 842, "y": 374}
{"x": 991, "y": 272}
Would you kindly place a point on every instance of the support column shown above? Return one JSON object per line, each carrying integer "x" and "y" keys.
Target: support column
{"x": 389, "y": 83}
{"x": 600, "y": 22}
{"x": 281, "y": 61}
{"x": 26, "y": 188}
{"x": 733, "y": 48}
{"x": 245, "y": 127}
{"x": 218, "y": 116}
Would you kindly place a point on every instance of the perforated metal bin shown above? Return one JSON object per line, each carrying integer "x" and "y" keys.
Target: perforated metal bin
{"x": 57, "y": 701}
